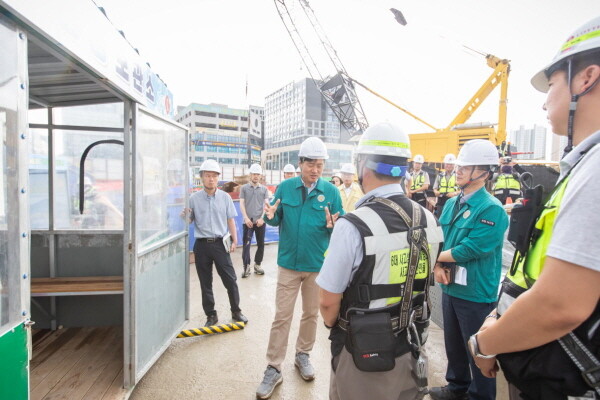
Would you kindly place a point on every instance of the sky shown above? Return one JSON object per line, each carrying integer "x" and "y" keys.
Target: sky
{"x": 207, "y": 50}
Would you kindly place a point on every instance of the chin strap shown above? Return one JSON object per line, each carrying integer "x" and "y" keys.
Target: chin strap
{"x": 573, "y": 107}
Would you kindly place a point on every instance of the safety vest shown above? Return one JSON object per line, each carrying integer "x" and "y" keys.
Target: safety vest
{"x": 447, "y": 184}
{"x": 381, "y": 276}
{"x": 525, "y": 270}
{"x": 547, "y": 370}
{"x": 418, "y": 180}
{"x": 507, "y": 181}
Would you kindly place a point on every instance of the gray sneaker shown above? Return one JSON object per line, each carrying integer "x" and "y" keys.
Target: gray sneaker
{"x": 307, "y": 372}
{"x": 269, "y": 383}
{"x": 258, "y": 270}
{"x": 246, "y": 272}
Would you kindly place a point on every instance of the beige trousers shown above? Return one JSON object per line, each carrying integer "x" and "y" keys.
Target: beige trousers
{"x": 348, "y": 382}
{"x": 289, "y": 282}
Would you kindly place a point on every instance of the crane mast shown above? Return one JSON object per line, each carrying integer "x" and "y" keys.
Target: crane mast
{"x": 338, "y": 89}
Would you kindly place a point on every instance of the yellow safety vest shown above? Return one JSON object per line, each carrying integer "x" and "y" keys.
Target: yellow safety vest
{"x": 447, "y": 185}
{"x": 418, "y": 180}
{"x": 526, "y": 269}
{"x": 507, "y": 181}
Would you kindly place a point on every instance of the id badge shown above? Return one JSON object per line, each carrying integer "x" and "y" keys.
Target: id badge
{"x": 460, "y": 277}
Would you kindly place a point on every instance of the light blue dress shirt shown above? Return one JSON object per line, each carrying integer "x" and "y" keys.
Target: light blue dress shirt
{"x": 210, "y": 213}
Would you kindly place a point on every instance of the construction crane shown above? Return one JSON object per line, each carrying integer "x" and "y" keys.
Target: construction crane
{"x": 337, "y": 89}
{"x": 450, "y": 139}
{"x": 339, "y": 93}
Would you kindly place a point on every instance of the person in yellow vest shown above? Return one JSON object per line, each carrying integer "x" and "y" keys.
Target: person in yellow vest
{"x": 507, "y": 184}
{"x": 545, "y": 331}
{"x": 445, "y": 186}
{"x": 349, "y": 190}
{"x": 418, "y": 182}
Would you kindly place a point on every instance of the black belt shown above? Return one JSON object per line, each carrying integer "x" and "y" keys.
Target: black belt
{"x": 210, "y": 240}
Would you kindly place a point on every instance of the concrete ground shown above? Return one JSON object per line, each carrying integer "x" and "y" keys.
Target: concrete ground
{"x": 231, "y": 365}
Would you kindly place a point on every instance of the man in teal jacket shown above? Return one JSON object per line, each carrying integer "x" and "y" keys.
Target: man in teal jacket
{"x": 469, "y": 269}
{"x": 305, "y": 209}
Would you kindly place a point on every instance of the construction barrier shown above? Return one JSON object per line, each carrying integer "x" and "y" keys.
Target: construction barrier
{"x": 209, "y": 330}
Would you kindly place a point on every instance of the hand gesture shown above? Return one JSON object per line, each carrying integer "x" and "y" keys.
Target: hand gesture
{"x": 271, "y": 209}
{"x": 329, "y": 218}
{"x": 260, "y": 222}
{"x": 184, "y": 212}
{"x": 248, "y": 222}
{"x": 442, "y": 275}
{"x": 488, "y": 366}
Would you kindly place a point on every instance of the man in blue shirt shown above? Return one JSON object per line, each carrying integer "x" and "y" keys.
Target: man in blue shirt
{"x": 212, "y": 212}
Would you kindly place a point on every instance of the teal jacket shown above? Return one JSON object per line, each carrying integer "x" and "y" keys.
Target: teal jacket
{"x": 303, "y": 235}
{"x": 475, "y": 233}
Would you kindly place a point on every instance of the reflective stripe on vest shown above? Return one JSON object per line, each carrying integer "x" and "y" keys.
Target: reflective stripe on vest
{"x": 391, "y": 250}
{"x": 447, "y": 185}
{"x": 507, "y": 181}
{"x": 526, "y": 270}
{"x": 418, "y": 180}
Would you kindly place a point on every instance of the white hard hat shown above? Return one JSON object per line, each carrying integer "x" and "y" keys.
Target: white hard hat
{"x": 384, "y": 139}
{"x": 314, "y": 148}
{"x": 347, "y": 169}
{"x": 256, "y": 169}
{"x": 449, "y": 158}
{"x": 419, "y": 159}
{"x": 289, "y": 168}
{"x": 210, "y": 165}
{"x": 585, "y": 38}
{"x": 298, "y": 169}
{"x": 478, "y": 152}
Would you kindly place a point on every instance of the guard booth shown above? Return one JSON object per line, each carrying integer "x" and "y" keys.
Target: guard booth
{"x": 93, "y": 253}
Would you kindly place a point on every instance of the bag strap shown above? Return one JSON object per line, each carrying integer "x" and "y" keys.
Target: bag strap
{"x": 583, "y": 358}
{"x": 418, "y": 242}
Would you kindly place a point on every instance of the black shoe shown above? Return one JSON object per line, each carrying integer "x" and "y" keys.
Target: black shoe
{"x": 246, "y": 272}
{"x": 211, "y": 320}
{"x": 239, "y": 317}
{"x": 444, "y": 393}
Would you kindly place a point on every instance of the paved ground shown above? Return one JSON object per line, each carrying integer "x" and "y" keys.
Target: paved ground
{"x": 231, "y": 365}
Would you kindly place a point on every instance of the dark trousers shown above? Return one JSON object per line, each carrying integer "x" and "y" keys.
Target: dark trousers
{"x": 205, "y": 254}
{"x": 463, "y": 318}
{"x": 260, "y": 242}
{"x": 420, "y": 198}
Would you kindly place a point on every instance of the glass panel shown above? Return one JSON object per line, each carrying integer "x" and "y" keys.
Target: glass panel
{"x": 100, "y": 115}
{"x": 160, "y": 179}
{"x": 9, "y": 210}
{"x": 103, "y": 182}
{"x": 39, "y": 195}
{"x": 38, "y": 116}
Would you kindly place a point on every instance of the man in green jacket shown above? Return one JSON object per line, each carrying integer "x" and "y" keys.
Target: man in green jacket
{"x": 305, "y": 209}
{"x": 469, "y": 268}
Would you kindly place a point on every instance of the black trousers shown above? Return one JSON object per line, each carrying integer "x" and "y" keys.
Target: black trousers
{"x": 206, "y": 254}
{"x": 260, "y": 242}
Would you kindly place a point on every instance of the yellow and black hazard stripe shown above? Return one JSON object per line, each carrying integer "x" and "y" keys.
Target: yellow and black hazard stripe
{"x": 209, "y": 330}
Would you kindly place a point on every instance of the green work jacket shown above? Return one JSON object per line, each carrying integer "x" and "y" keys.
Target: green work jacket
{"x": 475, "y": 233}
{"x": 303, "y": 235}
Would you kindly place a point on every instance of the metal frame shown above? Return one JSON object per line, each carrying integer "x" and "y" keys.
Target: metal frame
{"x": 131, "y": 254}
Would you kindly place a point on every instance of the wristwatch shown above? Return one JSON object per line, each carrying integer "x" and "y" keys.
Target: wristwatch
{"x": 474, "y": 348}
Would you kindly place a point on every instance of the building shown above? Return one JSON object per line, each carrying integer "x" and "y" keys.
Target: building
{"x": 232, "y": 136}
{"x": 530, "y": 140}
{"x": 558, "y": 147}
{"x": 294, "y": 113}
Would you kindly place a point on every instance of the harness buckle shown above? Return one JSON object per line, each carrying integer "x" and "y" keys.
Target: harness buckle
{"x": 364, "y": 296}
{"x": 591, "y": 376}
{"x": 414, "y": 236}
